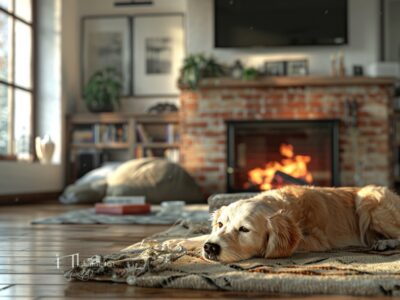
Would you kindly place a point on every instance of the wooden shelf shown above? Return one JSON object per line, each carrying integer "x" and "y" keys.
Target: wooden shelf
{"x": 111, "y": 146}
{"x": 120, "y": 118}
{"x": 159, "y": 145}
{"x": 138, "y": 132}
{"x": 289, "y": 81}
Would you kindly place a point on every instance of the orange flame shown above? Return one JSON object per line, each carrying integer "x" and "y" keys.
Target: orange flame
{"x": 293, "y": 165}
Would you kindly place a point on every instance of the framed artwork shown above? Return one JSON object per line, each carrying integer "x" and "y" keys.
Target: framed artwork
{"x": 275, "y": 68}
{"x": 107, "y": 43}
{"x": 297, "y": 67}
{"x": 158, "y": 52}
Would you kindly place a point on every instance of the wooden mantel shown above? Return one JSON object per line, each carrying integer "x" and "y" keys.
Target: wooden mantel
{"x": 297, "y": 81}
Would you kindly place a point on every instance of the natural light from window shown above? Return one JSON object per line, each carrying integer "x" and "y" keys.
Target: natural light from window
{"x": 16, "y": 84}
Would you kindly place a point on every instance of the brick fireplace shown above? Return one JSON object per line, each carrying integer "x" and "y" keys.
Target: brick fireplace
{"x": 362, "y": 107}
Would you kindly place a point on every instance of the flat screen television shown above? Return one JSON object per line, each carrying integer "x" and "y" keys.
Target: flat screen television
{"x": 264, "y": 23}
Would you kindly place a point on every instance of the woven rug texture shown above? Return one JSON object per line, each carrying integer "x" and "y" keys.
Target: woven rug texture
{"x": 354, "y": 271}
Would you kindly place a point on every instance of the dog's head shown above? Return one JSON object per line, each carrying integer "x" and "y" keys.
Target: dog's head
{"x": 250, "y": 228}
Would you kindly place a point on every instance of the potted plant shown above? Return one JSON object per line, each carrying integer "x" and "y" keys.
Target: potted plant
{"x": 103, "y": 91}
{"x": 197, "y": 67}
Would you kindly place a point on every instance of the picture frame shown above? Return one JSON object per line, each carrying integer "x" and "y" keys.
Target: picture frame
{"x": 297, "y": 67}
{"x": 107, "y": 42}
{"x": 158, "y": 53}
{"x": 275, "y": 68}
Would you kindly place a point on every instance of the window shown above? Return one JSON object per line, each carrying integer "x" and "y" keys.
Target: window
{"x": 16, "y": 78}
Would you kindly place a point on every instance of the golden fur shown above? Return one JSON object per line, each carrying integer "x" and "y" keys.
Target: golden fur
{"x": 277, "y": 223}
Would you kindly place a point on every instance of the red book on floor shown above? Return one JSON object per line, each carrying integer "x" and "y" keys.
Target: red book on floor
{"x": 122, "y": 209}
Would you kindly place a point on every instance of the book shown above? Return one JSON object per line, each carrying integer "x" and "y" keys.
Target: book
{"x": 122, "y": 209}
{"x": 82, "y": 136}
{"x": 170, "y": 133}
{"x": 144, "y": 138}
{"x": 137, "y": 200}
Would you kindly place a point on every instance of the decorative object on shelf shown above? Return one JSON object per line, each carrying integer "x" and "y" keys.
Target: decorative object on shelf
{"x": 107, "y": 42}
{"x": 334, "y": 71}
{"x": 384, "y": 69}
{"x": 237, "y": 70}
{"x": 297, "y": 67}
{"x": 158, "y": 53}
{"x": 342, "y": 68}
{"x": 197, "y": 67}
{"x": 250, "y": 74}
{"x": 213, "y": 69}
{"x": 44, "y": 149}
{"x": 275, "y": 68}
{"x": 358, "y": 70}
{"x": 163, "y": 108}
{"x": 103, "y": 91}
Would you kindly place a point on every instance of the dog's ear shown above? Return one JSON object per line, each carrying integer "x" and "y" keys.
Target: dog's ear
{"x": 283, "y": 236}
{"x": 215, "y": 215}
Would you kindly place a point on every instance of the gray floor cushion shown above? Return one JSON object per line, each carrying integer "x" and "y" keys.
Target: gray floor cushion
{"x": 158, "y": 179}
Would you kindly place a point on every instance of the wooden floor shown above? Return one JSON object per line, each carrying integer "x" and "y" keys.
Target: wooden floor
{"x": 28, "y": 258}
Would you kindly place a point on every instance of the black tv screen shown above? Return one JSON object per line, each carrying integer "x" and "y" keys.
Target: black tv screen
{"x": 263, "y": 23}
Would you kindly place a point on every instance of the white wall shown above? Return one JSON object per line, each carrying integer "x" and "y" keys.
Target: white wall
{"x": 363, "y": 47}
{"x": 49, "y": 104}
{"x": 72, "y": 14}
{"x": 24, "y": 178}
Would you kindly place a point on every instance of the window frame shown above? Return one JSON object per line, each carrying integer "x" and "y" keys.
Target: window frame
{"x": 12, "y": 86}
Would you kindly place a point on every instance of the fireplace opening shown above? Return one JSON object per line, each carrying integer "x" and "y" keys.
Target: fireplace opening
{"x": 263, "y": 155}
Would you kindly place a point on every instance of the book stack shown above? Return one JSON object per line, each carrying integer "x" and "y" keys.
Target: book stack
{"x": 83, "y": 135}
{"x": 123, "y": 205}
{"x": 100, "y": 133}
{"x": 114, "y": 133}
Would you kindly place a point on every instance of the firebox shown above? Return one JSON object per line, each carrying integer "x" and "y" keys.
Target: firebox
{"x": 263, "y": 155}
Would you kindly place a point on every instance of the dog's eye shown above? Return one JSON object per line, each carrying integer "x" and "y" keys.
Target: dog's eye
{"x": 219, "y": 224}
{"x": 243, "y": 229}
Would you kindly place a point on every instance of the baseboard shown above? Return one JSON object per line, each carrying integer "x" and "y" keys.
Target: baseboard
{"x": 30, "y": 198}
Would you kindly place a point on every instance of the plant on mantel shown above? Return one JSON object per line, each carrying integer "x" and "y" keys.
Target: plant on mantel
{"x": 197, "y": 67}
{"x": 103, "y": 91}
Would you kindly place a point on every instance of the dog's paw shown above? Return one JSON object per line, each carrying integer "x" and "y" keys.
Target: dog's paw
{"x": 383, "y": 245}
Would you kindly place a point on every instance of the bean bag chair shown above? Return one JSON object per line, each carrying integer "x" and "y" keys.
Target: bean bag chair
{"x": 157, "y": 179}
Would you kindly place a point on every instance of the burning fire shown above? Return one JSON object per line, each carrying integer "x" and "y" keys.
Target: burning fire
{"x": 293, "y": 165}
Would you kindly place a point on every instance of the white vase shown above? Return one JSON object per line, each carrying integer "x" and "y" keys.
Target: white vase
{"x": 44, "y": 149}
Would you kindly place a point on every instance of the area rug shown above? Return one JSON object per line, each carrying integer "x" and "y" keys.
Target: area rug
{"x": 192, "y": 213}
{"x": 353, "y": 271}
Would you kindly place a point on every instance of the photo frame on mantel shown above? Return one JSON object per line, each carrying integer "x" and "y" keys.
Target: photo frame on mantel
{"x": 158, "y": 53}
{"x": 107, "y": 42}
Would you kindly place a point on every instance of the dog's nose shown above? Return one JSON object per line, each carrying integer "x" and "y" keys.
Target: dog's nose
{"x": 211, "y": 248}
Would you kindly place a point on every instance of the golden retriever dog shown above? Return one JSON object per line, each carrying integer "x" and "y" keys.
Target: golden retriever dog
{"x": 279, "y": 222}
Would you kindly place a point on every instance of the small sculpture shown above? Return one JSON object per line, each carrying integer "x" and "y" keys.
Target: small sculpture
{"x": 334, "y": 71}
{"x": 342, "y": 68}
{"x": 44, "y": 149}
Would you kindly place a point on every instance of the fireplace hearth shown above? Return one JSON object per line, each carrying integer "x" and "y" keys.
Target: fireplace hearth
{"x": 365, "y": 151}
{"x": 263, "y": 155}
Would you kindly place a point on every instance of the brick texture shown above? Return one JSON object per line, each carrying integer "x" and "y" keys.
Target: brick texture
{"x": 365, "y": 152}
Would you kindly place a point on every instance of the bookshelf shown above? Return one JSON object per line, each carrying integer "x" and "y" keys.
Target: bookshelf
{"x": 93, "y": 139}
